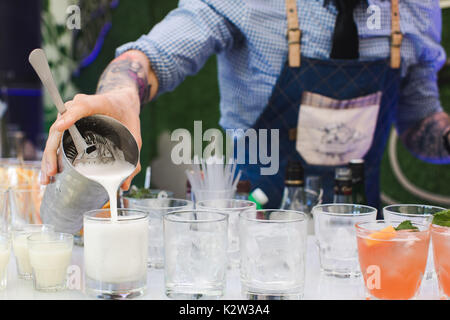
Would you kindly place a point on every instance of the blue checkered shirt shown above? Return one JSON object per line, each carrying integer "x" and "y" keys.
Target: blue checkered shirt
{"x": 249, "y": 39}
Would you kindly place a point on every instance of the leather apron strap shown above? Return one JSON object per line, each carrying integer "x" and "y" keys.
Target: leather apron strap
{"x": 396, "y": 35}
{"x": 294, "y": 34}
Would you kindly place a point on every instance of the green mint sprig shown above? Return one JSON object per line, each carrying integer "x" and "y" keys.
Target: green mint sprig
{"x": 442, "y": 218}
{"x": 406, "y": 225}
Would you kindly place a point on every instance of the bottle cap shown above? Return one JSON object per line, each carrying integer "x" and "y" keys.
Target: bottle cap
{"x": 357, "y": 168}
{"x": 260, "y": 196}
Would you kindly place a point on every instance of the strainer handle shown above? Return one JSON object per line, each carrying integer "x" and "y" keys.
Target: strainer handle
{"x": 39, "y": 62}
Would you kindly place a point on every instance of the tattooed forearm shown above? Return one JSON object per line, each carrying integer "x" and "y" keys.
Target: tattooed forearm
{"x": 429, "y": 139}
{"x": 125, "y": 71}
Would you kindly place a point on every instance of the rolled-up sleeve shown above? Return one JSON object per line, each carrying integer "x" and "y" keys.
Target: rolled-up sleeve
{"x": 183, "y": 41}
{"x": 419, "y": 92}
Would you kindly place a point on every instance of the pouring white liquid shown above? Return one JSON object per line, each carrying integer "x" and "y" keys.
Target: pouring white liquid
{"x": 110, "y": 176}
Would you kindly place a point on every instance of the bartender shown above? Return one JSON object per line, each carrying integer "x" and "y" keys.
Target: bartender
{"x": 319, "y": 71}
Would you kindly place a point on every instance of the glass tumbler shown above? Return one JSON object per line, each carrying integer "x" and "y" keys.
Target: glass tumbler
{"x": 128, "y": 202}
{"x": 233, "y": 208}
{"x": 273, "y": 250}
{"x": 5, "y": 252}
{"x": 392, "y": 262}
{"x": 441, "y": 249}
{"x": 20, "y": 247}
{"x": 199, "y": 194}
{"x": 115, "y": 253}
{"x": 50, "y": 254}
{"x": 334, "y": 226}
{"x": 4, "y": 207}
{"x": 25, "y": 204}
{"x": 415, "y": 213}
{"x": 156, "y": 208}
{"x": 195, "y": 246}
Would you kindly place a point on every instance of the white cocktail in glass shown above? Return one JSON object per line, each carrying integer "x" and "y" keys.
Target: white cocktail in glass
{"x": 20, "y": 246}
{"x": 50, "y": 254}
{"x": 115, "y": 253}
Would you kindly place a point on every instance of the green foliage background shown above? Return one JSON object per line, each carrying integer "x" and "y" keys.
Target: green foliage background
{"x": 198, "y": 98}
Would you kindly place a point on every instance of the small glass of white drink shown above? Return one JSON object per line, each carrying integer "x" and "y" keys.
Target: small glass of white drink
{"x": 50, "y": 255}
{"x": 5, "y": 252}
{"x": 20, "y": 246}
{"x": 115, "y": 253}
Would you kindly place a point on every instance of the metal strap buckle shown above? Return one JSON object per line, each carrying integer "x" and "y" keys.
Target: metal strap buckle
{"x": 293, "y": 38}
{"x": 396, "y": 39}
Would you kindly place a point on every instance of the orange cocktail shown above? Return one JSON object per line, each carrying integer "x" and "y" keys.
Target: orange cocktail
{"x": 441, "y": 250}
{"x": 392, "y": 262}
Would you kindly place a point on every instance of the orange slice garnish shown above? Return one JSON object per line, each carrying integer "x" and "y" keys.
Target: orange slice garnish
{"x": 106, "y": 206}
{"x": 384, "y": 234}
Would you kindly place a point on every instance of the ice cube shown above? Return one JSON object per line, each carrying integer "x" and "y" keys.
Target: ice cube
{"x": 275, "y": 255}
{"x": 343, "y": 243}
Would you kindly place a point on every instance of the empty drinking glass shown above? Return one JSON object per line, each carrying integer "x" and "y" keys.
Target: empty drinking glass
{"x": 128, "y": 200}
{"x": 195, "y": 245}
{"x": 199, "y": 194}
{"x": 415, "y": 213}
{"x": 5, "y": 252}
{"x": 233, "y": 208}
{"x": 273, "y": 250}
{"x": 156, "y": 208}
{"x": 19, "y": 174}
{"x": 334, "y": 226}
{"x": 4, "y": 223}
{"x": 25, "y": 204}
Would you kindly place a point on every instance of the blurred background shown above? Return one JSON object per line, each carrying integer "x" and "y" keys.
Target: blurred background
{"x": 78, "y": 57}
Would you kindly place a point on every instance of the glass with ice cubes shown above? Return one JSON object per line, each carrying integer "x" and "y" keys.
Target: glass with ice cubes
{"x": 273, "y": 250}
{"x": 334, "y": 226}
{"x": 195, "y": 249}
{"x": 418, "y": 213}
{"x": 156, "y": 208}
{"x": 233, "y": 208}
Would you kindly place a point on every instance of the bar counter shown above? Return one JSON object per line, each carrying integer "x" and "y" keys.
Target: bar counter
{"x": 317, "y": 286}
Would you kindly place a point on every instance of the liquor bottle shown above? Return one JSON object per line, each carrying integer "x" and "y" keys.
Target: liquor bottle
{"x": 188, "y": 190}
{"x": 358, "y": 184}
{"x": 242, "y": 190}
{"x": 294, "y": 195}
{"x": 343, "y": 185}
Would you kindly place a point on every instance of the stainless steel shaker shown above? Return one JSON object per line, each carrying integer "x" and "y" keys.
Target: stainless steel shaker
{"x": 70, "y": 194}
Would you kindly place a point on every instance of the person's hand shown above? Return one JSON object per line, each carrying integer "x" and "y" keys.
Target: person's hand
{"x": 121, "y": 104}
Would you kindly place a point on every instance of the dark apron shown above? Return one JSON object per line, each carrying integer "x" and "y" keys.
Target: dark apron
{"x": 350, "y": 79}
{"x": 337, "y": 79}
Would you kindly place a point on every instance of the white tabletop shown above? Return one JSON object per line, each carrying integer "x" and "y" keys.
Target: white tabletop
{"x": 317, "y": 286}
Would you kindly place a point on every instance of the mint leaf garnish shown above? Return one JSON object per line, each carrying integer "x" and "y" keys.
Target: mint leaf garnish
{"x": 442, "y": 218}
{"x": 406, "y": 225}
{"x": 141, "y": 193}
